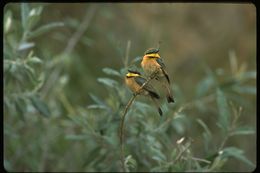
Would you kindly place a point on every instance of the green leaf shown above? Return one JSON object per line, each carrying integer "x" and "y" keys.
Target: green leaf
{"x": 111, "y": 71}
{"x": 40, "y": 82}
{"x": 130, "y": 162}
{"x": 26, "y": 45}
{"x": 143, "y": 107}
{"x": 20, "y": 107}
{"x": 91, "y": 154}
{"x": 34, "y": 17}
{"x": 7, "y": 21}
{"x": 24, "y": 14}
{"x": 40, "y": 105}
{"x": 205, "y": 127}
{"x": 30, "y": 73}
{"x": 94, "y": 106}
{"x": 236, "y": 153}
{"x": 249, "y": 75}
{"x": 45, "y": 28}
{"x": 245, "y": 89}
{"x": 204, "y": 86}
{"x": 96, "y": 99}
{"x": 35, "y": 60}
{"x": 206, "y": 135}
{"x": 243, "y": 131}
{"x": 224, "y": 113}
{"x": 76, "y": 137}
{"x": 108, "y": 82}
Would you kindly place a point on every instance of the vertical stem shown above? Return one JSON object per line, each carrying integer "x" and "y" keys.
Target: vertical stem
{"x": 130, "y": 102}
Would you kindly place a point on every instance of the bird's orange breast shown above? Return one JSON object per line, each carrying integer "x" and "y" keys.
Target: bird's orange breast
{"x": 130, "y": 82}
{"x": 149, "y": 65}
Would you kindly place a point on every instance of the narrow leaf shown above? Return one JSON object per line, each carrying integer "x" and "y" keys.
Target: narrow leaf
{"x": 45, "y": 28}
{"x": 204, "y": 86}
{"x": 108, "y": 82}
{"x": 236, "y": 153}
{"x": 35, "y": 60}
{"x": 97, "y": 107}
{"x": 24, "y": 14}
{"x": 224, "y": 114}
{"x": 243, "y": 131}
{"x": 205, "y": 127}
{"x": 76, "y": 137}
{"x": 245, "y": 89}
{"x": 40, "y": 105}
{"x": 111, "y": 71}
{"x": 26, "y": 45}
{"x": 96, "y": 99}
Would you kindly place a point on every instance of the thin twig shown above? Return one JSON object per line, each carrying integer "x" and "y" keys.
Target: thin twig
{"x": 81, "y": 30}
{"x": 124, "y": 115}
{"x": 201, "y": 160}
{"x": 180, "y": 154}
{"x": 70, "y": 47}
{"x": 127, "y": 53}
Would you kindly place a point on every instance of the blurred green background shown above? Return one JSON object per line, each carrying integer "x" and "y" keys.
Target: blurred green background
{"x": 67, "y": 62}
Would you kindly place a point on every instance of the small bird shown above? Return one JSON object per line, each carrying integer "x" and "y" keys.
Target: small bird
{"x": 152, "y": 62}
{"x": 134, "y": 81}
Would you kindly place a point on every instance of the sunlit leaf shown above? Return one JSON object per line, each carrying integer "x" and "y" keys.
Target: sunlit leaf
{"x": 130, "y": 162}
{"x": 97, "y": 107}
{"x": 26, "y": 45}
{"x": 7, "y": 21}
{"x": 35, "y": 60}
{"x": 108, "y": 82}
{"x": 34, "y": 17}
{"x": 111, "y": 71}
{"x": 243, "y": 131}
{"x": 236, "y": 153}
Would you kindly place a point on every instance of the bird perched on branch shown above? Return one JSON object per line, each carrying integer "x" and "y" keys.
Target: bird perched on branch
{"x": 152, "y": 62}
{"x": 134, "y": 81}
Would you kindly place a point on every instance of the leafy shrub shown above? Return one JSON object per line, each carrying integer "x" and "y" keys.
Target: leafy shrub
{"x": 196, "y": 135}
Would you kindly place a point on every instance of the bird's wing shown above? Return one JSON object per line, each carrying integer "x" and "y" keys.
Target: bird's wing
{"x": 140, "y": 81}
{"x": 160, "y": 62}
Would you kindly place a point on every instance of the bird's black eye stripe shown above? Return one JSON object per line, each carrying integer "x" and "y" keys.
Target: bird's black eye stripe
{"x": 135, "y": 72}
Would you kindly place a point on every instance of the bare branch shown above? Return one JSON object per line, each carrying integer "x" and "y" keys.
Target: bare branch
{"x": 81, "y": 30}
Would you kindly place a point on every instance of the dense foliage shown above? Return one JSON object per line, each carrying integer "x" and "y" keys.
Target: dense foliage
{"x": 64, "y": 96}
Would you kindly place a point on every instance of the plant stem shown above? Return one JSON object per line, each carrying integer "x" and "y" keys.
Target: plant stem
{"x": 130, "y": 102}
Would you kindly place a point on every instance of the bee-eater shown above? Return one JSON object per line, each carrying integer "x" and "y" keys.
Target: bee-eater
{"x": 134, "y": 81}
{"x": 153, "y": 62}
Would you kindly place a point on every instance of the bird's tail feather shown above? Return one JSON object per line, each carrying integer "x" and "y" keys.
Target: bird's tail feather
{"x": 154, "y": 94}
{"x": 157, "y": 105}
{"x": 169, "y": 96}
